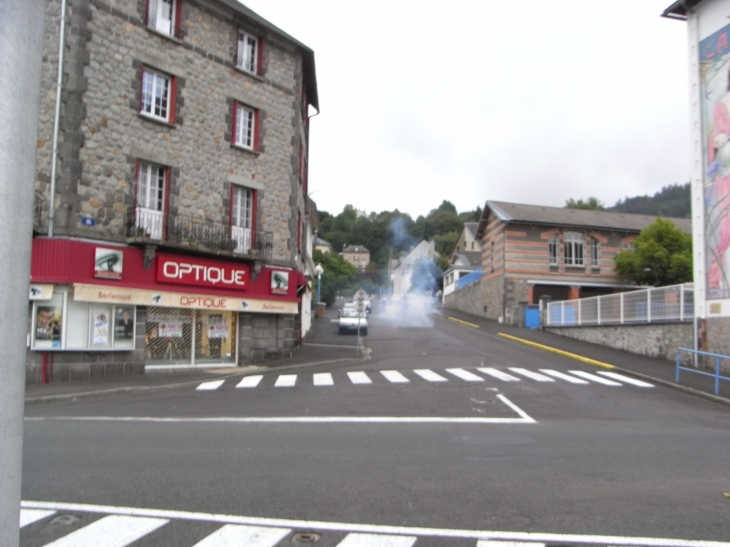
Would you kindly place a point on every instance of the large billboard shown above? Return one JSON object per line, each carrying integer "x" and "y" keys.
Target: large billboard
{"x": 715, "y": 82}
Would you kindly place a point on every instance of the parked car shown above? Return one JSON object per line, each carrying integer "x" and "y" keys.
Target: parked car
{"x": 350, "y": 320}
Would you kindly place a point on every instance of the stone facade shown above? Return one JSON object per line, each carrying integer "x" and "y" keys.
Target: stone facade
{"x": 104, "y": 136}
{"x": 718, "y": 337}
{"x": 263, "y": 337}
{"x": 467, "y": 299}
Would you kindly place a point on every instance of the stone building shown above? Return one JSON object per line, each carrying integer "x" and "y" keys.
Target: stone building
{"x": 357, "y": 255}
{"x": 529, "y": 251}
{"x": 170, "y": 229}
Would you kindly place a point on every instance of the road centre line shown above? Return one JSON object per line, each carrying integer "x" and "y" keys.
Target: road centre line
{"x": 557, "y": 351}
{"x": 371, "y": 528}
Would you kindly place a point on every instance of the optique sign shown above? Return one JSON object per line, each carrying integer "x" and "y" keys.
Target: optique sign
{"x": 201, "y": 272}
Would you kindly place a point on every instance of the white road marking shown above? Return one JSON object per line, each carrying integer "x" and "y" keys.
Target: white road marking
{"x": 394, "y": 376}
{"x": 210, "y": 386}
{"x": 323, "y": 379}
{"x": 359, "y": 378}
{"x": 377, "y": 529}
{"x": 286, "y": 380}
{"x": 29, "y": 516}
{"x": 492, "y": 543}
{"x": 532, "y": 375}
{"x": 250, "y": 381}
{"x": 594, "y": 378}
{"x": 517, "y": 409}
{"x": 250, "y": 536}
{"x": 429, "y": 375}
{"x": 498, "y": 374}
{"x": 566, "y": 377}
{"x": 465, "y": 374}
{"x": 111, "y": 531}
{"x": 626, "y": 379}
{"x": 376, "y": 540}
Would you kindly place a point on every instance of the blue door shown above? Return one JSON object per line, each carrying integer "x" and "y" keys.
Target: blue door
{"x": 532, "y": 317}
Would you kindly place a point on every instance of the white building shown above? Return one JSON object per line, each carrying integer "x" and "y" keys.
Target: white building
{"x": 402, "y": 270}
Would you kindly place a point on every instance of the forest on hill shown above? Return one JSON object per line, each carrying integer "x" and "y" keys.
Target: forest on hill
{"x": 670, "y": 201}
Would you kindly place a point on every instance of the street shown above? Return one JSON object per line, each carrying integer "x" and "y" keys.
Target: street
{"x": 449, "y": 435}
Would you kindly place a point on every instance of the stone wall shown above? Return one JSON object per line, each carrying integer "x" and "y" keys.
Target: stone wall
{"x": 467, "y": 299}
{"x": 263, "y": 337}
{"x": 718, "y": 336}
{"x": 654, "y": 340}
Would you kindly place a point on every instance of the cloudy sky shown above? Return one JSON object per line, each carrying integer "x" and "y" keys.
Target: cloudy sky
{"x": 530, "y": 101}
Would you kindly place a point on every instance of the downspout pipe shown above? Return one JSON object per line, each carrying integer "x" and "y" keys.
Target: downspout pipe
{"x": 56, "y": 119}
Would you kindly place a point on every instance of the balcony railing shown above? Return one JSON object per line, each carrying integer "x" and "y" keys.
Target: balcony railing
{"x": 148, "y": 226}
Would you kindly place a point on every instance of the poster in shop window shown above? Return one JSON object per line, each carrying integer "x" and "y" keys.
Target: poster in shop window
{"x": 48, "y": 324}
{"x": 218, "y": 330}
{"x": 170, "y": 330}
{"x": 101, "y": 329}
{"x": 279, "y": 282}
{"x": 124, "y": 323}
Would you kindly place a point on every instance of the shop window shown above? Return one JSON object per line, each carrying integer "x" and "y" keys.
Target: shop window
{"x": 61, "y": 323}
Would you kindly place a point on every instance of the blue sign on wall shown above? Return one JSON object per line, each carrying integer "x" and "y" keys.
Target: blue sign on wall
{"x": 88, "y": 221}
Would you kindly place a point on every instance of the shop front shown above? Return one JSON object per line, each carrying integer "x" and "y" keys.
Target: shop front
{"x": 96, "y": 304}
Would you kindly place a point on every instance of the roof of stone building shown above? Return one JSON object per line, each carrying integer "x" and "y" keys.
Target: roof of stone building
{"x": 309, "y": 69}
{"x": 467, "y": 258}
{"x": 316, "y": 240}
{"x": 583, "y": 218}
{"x": 355, "y": 249}
{"x": 472, "y": 227}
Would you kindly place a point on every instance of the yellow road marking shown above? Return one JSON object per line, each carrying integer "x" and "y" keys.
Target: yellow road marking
{"x": 557, "y": 351}
{"x": 463, "y": 322}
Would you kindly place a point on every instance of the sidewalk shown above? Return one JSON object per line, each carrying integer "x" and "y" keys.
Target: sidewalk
{"x": 318, "y": 349}
{"x": 651, "y": 369}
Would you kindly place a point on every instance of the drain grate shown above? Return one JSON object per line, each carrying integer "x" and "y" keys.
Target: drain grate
{"x": 65, "y": 520}
{"x": 305, "y": 538}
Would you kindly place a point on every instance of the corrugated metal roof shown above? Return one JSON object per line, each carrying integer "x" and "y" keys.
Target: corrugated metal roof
{"x": 355, "y": 249}
{"x": 560, "y": 216}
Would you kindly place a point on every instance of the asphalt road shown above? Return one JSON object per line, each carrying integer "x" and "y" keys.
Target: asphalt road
{"x": 408, "y": 454}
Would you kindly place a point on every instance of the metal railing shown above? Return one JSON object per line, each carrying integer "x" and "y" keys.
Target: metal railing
{"x": 181, "y": 231}
{"x": 468, "y": 279}
{"x": 673, "y": 303}
{"x": 716, "y": 375}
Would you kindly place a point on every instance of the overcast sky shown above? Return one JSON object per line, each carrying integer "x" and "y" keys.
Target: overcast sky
{"x": 529, "y": 101}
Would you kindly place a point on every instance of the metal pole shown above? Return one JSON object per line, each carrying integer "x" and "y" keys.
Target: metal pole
{"x": 56, "y": 119}
{"x": 21, "y": 50}
{"x": 319, "y": 288}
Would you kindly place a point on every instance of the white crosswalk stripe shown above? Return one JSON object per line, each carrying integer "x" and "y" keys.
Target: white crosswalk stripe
{"x": 210, "y": 386}
{"x": 575, "y": 377}
{"x": 626, "y": 379}
{"x": 498, "y": 374}
{"x": 240, "y": 534}
{"x": 286, "y": 380}
{"x": 376, "y": 540}
{"x": 29, "y": 516}
{"x": 394, "y": 376}
{"x": 323, "y": 379}
{"x": 359, "y": 378}
{"x": 250, "y": 381}
{"x": 429, "y": 375}
{"x": 532, "y": 375}
{"x": 111, "y": 531}
{"x": 594, "y": 378}
{"x": 567, "y": 378}
{"x": 465, "y": 374}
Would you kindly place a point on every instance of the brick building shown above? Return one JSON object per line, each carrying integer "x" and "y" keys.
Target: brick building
{"x": 171, "y": 228}
{"x": 529, "y": 251}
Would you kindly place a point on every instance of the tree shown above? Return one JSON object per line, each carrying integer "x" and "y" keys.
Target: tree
{"x": 662, "y": 256}
{"x": 338, "y": 277}
{"x": 593, "y": 204}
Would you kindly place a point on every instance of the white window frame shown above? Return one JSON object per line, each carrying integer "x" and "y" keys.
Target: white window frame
{"x": 245, "y": 126}
{"x": 242, "y": 207}
{"x": 248, "y": 52}
{"x": 553, "y": 250}
{"x": 156, "y": 18}
{"x": 594, "y": 251}
{"x": 574, "y": 243}
{"x": 151, "y": 181}
{"x": 156, "y": 95}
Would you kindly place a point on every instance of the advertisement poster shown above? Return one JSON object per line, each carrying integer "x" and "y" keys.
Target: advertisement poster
{"x": 170, "y": 330}
{"x": 101, "y": 329}
{"x": 218, "y": 331}
{"x": 108, "y": 263}
{"x": 124, "y": 323}
{"x": 715, "y": 81}
{"x": 48, "y": 324}
{"x": 279, "y": 282}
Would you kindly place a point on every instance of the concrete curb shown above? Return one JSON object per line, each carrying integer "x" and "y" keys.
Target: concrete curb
{"x": 128, "y": 389}
{"x": 628, "y": 372}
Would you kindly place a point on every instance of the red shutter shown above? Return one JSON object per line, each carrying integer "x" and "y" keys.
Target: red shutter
{"x": 260, "y": 57}
{"x": 177, "y": 31}
{"x": 173, "y": 99}
{"x": 256, "y": 129}
{"x": 147, "y": 13}
{"x": 233, "y": 125}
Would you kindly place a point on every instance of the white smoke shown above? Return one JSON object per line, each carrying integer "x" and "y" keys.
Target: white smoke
{"x": 412, "y": 311}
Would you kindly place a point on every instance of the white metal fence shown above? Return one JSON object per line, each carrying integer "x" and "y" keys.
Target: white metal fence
{"x": 674, "y": 303}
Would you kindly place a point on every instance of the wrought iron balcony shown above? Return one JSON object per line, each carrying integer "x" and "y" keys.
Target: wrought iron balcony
{"x": 155, "y": 227}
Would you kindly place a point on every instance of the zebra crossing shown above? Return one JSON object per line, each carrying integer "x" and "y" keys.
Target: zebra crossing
{"x": 79, "y": 525}
{"x": 509, "y": 375}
